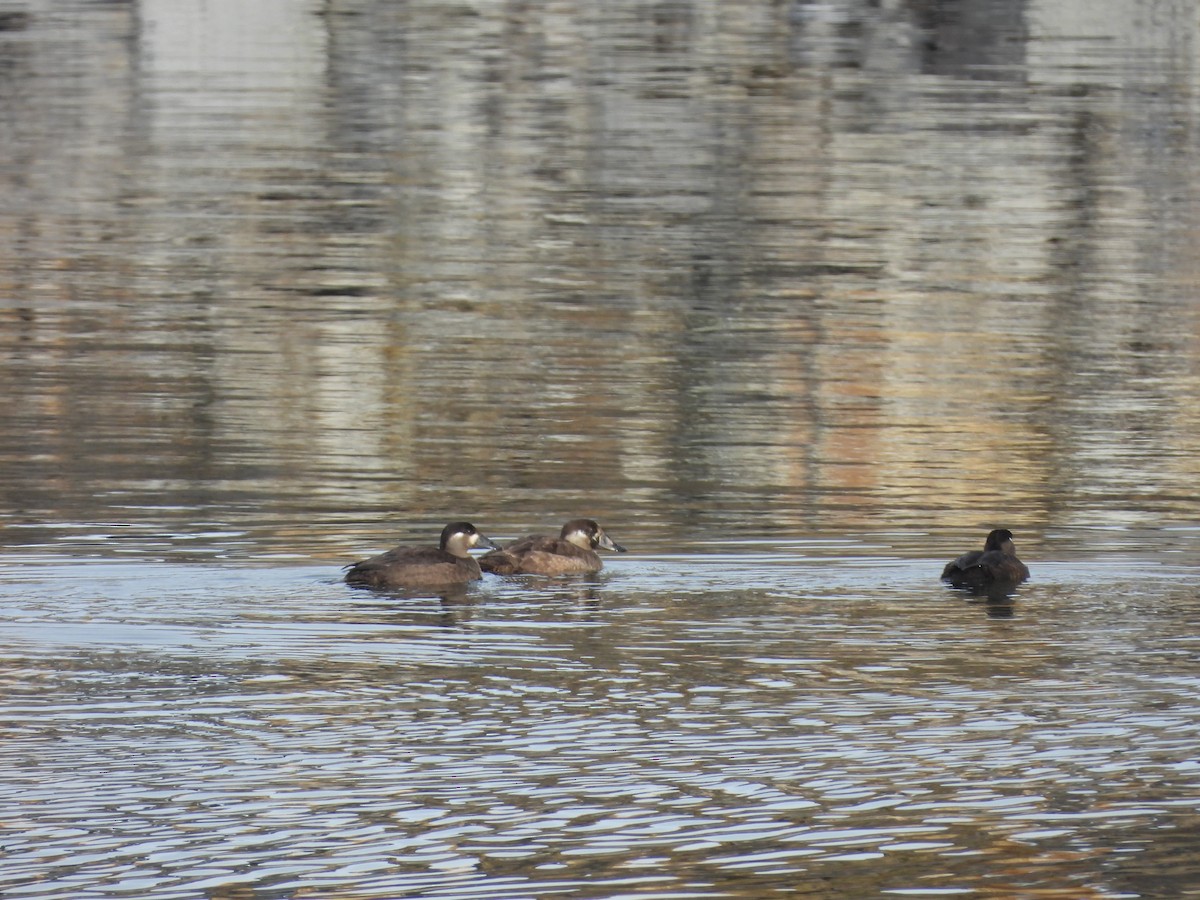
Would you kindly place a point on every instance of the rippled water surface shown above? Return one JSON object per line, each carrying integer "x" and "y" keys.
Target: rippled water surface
{"x": 797, "y": 299}
{"x": 723, "y": 726}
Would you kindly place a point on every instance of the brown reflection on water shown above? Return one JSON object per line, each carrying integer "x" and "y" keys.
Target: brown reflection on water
{"x": 326, "y": 272}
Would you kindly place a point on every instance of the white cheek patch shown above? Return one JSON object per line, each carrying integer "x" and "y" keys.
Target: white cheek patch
{"x": 460, "y": 542}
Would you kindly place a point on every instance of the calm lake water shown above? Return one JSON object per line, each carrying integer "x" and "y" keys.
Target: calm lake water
{"x": 797, "y": 299}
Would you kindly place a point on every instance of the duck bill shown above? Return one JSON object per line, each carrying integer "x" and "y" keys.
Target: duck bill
{"x": 483, "y": 542}
{"x": 608, "y": 543}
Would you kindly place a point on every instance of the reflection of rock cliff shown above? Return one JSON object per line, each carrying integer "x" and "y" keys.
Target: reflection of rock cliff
{"x": 827, "y": 266}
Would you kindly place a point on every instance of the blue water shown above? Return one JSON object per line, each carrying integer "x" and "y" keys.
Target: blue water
{"x": 723, "y": 725}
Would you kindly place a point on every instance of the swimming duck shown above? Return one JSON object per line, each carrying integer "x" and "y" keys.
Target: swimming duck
{"x": 448, "y": 563}
{"x": 996, "y": 562}
{"x": 573, "y": 552}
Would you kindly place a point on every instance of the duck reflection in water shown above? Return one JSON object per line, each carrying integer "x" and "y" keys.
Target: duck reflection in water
{"x": 573, "y": 552}
{"x": 447, "y": 606}
{"x": 993, "y": 571}
{"x": 449, "y": 563}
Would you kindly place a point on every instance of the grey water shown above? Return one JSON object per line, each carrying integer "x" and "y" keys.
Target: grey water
{"x": 797, "y": 299}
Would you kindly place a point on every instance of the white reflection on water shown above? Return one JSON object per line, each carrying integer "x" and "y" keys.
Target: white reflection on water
{"x": 181, "y": 730}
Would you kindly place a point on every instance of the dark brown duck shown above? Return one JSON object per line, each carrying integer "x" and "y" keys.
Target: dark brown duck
{"x": 448, "y": 563}
{"x": 996, "y": 563}
{"x": 573, "y": 552}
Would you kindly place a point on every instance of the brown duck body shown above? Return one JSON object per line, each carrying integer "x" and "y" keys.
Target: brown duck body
{"x": 413, "y": 566}
{"x": 571, "y": 553}
{"x": 996, "y": 563}
{"x": 540, "y": 554}
{"x": 447, "y": 564}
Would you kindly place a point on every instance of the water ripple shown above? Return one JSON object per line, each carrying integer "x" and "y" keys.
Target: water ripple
{"x": 287, "y": 734}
